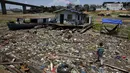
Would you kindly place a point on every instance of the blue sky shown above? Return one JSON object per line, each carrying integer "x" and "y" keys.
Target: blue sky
{"x": 58, "y": 2}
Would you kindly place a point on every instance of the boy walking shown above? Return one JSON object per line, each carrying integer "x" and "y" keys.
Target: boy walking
{"x": 100, "y": 52}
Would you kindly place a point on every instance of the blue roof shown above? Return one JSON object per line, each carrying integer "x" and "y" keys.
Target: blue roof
{"x": 112, "y": 21}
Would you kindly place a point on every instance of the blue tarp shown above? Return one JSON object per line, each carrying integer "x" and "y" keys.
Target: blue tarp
{"x": 112, "y": 21}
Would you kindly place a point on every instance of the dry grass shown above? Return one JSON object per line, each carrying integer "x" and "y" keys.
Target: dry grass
{"x": 12, "y": 17}
{"x": 113, "y": 11}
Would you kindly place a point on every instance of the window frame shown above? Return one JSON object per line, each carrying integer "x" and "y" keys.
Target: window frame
{"x": 69, "y": 16}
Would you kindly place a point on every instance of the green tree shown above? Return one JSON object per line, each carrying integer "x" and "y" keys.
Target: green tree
{"x": 92, "y": 7}
{"x": 86, "y": 7}
{"x": 77, "y": 7}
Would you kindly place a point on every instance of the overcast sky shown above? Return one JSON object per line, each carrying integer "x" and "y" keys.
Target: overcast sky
{"x": 59, "y": 2}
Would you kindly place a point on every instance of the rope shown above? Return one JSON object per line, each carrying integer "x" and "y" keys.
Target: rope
{"x": 111, "y": 29}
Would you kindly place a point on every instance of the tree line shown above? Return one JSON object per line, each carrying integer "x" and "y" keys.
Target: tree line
{"x": 43, "y": 9}
{"x": 84, "y": 7}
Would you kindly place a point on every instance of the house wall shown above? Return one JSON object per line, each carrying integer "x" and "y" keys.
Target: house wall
{"x": 114, "y": 6}
{"x": 79, "y": 20}
{"x": 74, "y": 15}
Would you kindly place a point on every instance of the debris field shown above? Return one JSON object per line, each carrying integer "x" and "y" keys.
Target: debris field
{"x": 38, "y": 47}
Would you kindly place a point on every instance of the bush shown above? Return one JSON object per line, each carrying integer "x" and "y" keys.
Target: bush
{"x": 97, "y": 27}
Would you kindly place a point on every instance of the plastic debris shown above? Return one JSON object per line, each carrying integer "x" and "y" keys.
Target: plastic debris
{"x": 47, "y": 49}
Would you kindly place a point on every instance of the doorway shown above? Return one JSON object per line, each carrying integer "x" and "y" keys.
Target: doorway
{"x": 61, "y": 18}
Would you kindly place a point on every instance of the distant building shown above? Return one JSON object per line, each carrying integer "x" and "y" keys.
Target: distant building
{"x": 70, "y": 16}
{"x": 102, "y": 8}
{"x": 16, "y": 10}
{"x": 113, "y": 6}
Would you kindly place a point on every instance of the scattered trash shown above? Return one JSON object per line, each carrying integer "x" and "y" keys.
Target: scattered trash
{"x": 83, "y": 70}
{"x": 123, "y": 57}
{"x": 63, "y": 68}
{"x": 46, "y": 50}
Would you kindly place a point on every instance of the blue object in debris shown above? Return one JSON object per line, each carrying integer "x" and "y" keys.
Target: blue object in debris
{"x": 42, "y": 67}
{"x": 94, "y": 68}
{"x": 112, "y": 21}
{"x": 83, "y": 71}
{"x": 118, "y": 57}
{"x": 101, "y": 70}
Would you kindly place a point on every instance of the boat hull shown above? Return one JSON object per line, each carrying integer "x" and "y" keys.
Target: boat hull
{"x": 14, "y": 26}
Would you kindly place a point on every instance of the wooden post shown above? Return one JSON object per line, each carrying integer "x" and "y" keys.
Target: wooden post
{"x": 3, "y": 7}
{"x": 24, "y": 9}
{"x": 90, "y": 19}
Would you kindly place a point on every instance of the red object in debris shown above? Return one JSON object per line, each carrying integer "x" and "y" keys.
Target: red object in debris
{"x": 53, "y": 70}
{"x": 6, "y": 42}
{"x": 124, "y": 57}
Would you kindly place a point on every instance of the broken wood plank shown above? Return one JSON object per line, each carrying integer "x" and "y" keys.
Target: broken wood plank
{"x": 123, "y": 70}
{"x": 6, "y": 63}
{"x": 85, "y": 29}
{"x": 73, "y": 41}
{"x": 68, "y": 56}
{"x": 4, "y": 71}
{"x": 13, "y": 70}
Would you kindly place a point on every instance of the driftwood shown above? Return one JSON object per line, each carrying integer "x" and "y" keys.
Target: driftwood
{"x": 123, "y": 70}
{"x": 73, "y": 41}
{"x": 14, "y": 70}
{"x": 69, "y": 56}
{"x": 85, "y": 29}
{"x": 7, "y": 63}
{"x": 76, "y": 57}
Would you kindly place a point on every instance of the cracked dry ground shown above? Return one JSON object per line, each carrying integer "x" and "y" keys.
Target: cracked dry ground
{"x": 32, "y": 46}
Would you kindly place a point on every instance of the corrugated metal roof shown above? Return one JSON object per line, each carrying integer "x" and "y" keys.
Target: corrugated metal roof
{"x": 71, "y": 10}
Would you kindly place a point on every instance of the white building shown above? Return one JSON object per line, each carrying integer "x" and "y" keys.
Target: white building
{"x": 69, "y": 16}
{"x": 114, "y": 6}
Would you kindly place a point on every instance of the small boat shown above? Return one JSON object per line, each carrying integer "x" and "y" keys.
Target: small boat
{"x": 22, "y": 24}
{"x": 17, "y": 26}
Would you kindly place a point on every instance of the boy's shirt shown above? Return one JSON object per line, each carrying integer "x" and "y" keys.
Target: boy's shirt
{"x": 100, "y": 51}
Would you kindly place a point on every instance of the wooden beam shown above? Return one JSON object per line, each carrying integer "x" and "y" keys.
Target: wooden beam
{"x": 17, "y": 3}
{"x": 123, "y": 70}
{"x": 7, "y": 63}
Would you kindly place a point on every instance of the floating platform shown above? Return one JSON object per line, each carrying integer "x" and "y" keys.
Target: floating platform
{"x": 57, "y": 25}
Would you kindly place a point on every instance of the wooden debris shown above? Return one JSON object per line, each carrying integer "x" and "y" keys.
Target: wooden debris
{"x": 7, "y": 63}
{"x": 68, "y": 56}
{"x": 13, "y": 70}
{"x": 74, "y": 41}
{"x": 123, "y": 70}
{"x": 4, "y": 71}
{"x": 85, "y": 29}
{"x": 24, "y": 68}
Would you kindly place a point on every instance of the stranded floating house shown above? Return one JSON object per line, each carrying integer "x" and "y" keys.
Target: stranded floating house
{"x": 64, "y": 18}
{"x": 71, "y": 17}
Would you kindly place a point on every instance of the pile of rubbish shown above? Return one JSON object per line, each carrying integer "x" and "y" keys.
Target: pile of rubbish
{"x": 63, "y": 51}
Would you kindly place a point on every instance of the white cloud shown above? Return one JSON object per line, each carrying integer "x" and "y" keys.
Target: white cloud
{"x": 60, "y": 2}
{"x": 55, "y": 2}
